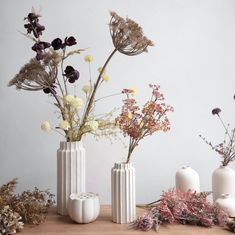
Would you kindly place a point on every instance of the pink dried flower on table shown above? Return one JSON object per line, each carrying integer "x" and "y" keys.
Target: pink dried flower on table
{"x": 189, "y": 207}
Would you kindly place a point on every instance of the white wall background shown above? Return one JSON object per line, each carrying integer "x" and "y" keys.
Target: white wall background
{"x": 193, "y": 60}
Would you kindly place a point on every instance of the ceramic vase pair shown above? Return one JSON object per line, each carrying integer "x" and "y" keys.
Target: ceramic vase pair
{"x": 71, "y": 182}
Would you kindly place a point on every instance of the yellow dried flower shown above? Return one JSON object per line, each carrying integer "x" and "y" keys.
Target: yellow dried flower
{"x": 68, "y": 99}
{"x": 88, "y": 58}
{"x": 105, "y": 77}
{"x": 93, "y": 125}
{"x": 76, "y": 103}
{"x": 45, "y": 126}
{"x": 133, "y": 91}
{"x": 64, "y": 125}
{"x": 87, "y": 89}
{"x": 129, "y": 115}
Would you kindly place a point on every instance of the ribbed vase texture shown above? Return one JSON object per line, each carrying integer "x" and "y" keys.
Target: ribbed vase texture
{"x": 70, "y": 173}
{"x": 223, "y": 182}
{"x": 123, "y": 193}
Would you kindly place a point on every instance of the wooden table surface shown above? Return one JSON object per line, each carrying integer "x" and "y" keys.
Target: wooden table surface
{"x": 56, "y": 224}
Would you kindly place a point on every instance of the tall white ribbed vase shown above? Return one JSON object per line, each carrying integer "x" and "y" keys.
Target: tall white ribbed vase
{"x": 223, "y": 182}
{"x": 70, "y": 173}
{"x": 123, "y": 193}
{"x": 187, "y": 179}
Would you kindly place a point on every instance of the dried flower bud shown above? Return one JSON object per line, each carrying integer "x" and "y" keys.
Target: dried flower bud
{"x": 216, "y": 111}
{"x": 45, "y": 126}
{"x": 70, "y": 41}
{"x": 71, "y": 74}
{"x": 105, "y": 77}
{"x": 127, "y": 36}
{"x": 88, "y": 58}
{"x": 57, "y": 44}
{"x": 87, "y": 89}
{"x": 64, "y": 125}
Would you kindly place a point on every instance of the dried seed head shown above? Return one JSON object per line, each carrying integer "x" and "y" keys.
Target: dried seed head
{"x": 127, "y": 36}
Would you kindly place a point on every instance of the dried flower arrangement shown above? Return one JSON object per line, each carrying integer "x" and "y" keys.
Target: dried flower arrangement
{"x": 175, "y": 206}
{"x": 137, "y": 122}
{"x": 225, "y": 149}
{"x": 28, "y": 207}
{"x": 42, "y": 73}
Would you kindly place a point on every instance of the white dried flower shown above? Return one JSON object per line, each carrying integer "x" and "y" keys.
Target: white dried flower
{"x": 45, "y": 126}
{"x": 87, "y": 89}
{"x": 76, "y": 103}
{"x": 93, "y": 125}
{"x": 64, "y": 125}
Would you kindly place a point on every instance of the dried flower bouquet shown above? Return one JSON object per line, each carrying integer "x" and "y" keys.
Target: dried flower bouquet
{"x": 138, "y": 123}
{"x": 47, "y": 72}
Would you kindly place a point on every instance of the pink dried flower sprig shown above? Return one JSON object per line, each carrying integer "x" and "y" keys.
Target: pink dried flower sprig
{"x": 137, "y": 122}
{"x": 176, "y": 206}
{"x": 225, "y": 149}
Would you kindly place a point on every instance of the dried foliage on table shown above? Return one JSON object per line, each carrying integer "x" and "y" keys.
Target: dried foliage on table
{"x": 231, "y": 224}
{"x": 226, "y": 149}
{"x": 28, "y": 207}
{"x": 175, "y": 206}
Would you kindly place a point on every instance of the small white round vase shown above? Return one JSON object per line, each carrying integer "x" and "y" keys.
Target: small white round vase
{"x": 227, "y": 204}
{"x": 84, "y": 208}
{"x": 187, "y": 179}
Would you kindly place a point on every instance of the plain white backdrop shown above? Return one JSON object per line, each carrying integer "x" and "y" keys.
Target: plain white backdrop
{"x": 193, "y": 60}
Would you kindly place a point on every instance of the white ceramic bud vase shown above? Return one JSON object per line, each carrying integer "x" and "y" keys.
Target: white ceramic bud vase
{"x": 123, "y": 193}
{"x": 187, "y": 178}
{"x": 70, "y": 173}
{"x": 223, "y": 182}
{"x": 227, "y": 204}
{"x": 84, "y": 208}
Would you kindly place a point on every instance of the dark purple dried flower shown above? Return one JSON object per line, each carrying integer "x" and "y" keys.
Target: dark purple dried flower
{"x": 71, "y": 74}
{"x": 57, "y": 44}
{"x": 33, "y": 25}
{"x": 216, "y": 111}
{"x": 39, "y": 47}
{"x": 31, "y": 17}
{"x": 234, "y": 97}
{"x": 70, "y": 41}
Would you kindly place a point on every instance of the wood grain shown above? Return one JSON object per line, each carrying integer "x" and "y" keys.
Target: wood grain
{"x": 56, "y": 224}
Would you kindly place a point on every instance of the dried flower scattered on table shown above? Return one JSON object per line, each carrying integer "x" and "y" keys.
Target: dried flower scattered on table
{"x": 49, "y": 72}
{"x": 225, "y": 149}
{"x": 137, "y": 122}
{"x": 10, "y": 221}
{"x": 28, "y": 207}
{"x": 175, "y": 206}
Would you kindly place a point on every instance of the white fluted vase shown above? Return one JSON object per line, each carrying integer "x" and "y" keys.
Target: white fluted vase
{"x": 223, "y": 182}
{"x": 187, "y": 179}
{"x": 123, "y": 193}
{"x": 70, "y": 173}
